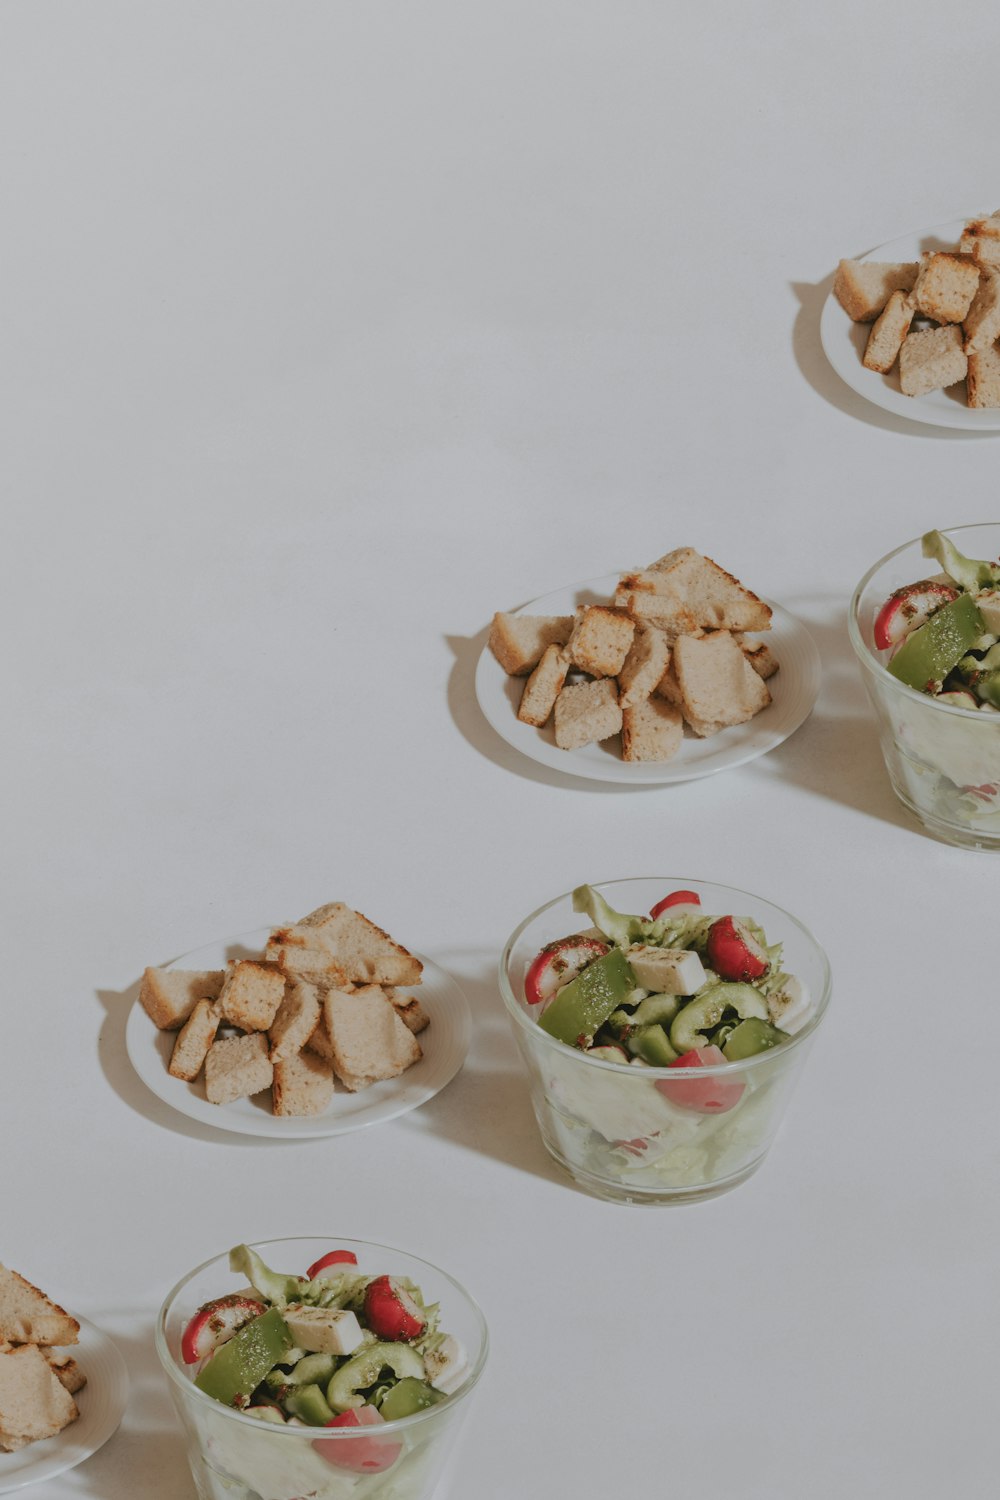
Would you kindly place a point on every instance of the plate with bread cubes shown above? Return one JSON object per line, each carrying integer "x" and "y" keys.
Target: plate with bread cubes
{"x": 63, "y": 1386}
{"x": 314, "y": 1028}
{"x": 667, "y": 673}
{"x": 914, "y": 325}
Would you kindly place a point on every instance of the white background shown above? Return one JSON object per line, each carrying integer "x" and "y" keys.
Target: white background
{"x": 326, "y": 330}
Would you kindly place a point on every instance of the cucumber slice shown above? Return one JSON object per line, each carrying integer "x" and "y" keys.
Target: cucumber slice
{"x": 363, "y": 1370}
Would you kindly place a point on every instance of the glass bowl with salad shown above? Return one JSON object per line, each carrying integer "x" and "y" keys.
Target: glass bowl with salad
{"x": 663, "y": 1023}
{"x": 925, "y": 624}
{"x": 326, "y": 1367}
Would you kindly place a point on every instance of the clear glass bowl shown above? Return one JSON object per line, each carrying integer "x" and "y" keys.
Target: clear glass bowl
{"x": 236, "y": 1457}
{"x": 943, "y": 762}
{"x": 607, "y": 1123}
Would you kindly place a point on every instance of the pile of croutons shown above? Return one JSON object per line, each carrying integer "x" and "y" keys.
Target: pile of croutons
{"x": 939, "y": 316}
{"x": 37, "y": 1379}
{"x": 320, "y": 1003}
{"x": 668, "y": 649}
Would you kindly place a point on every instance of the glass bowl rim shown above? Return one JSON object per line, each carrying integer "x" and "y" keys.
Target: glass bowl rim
{"x": 867, "y": 656}
{"x": 727, "y": 1069}
{"x": 283, "y": 1432}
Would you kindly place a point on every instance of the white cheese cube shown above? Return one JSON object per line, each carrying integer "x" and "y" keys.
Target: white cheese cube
{"x": 324, "y": 1330}
{"x": 667, "y": 971}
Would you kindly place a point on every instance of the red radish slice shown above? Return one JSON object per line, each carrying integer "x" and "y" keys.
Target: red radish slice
{"x": 557, "y": 964}
{"x": 907, "y": 608}
{"x": 733, "y": 951}
{"x": 684, "y": 899}
{"x": 391, "y": 1312}
{"x": 365, "y": 1455}
{"x": 215, "y": 1324}
{"x": 333, "y": 1258}
{"x": 705, "y": 1096}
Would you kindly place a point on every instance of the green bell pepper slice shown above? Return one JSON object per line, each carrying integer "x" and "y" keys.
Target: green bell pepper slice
{"x": 363, "y": 1369}
{"x": 581, "y": 1007}
{"x": 926, "y": 657}
{"x": 750, "y": 1037}
{"x": 237, "y": 1367}
{"x": 706, "y": 1010}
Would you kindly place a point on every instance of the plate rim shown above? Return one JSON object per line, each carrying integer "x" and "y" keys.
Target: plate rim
{"x": 50, "y": 1465}
{"x": 619, "y": 772}
{"x": 272, "y": 1127}
{"x": 843, "y": 358}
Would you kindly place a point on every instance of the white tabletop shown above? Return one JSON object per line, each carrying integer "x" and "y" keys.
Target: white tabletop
{"x": 326, "y": 331}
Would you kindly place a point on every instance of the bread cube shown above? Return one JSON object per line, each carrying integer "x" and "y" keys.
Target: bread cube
{"x": 251, "y": 994}
{"x": 652, "y": 730}
{"x": 303, "y": 1085}
{"x": 601, "y": 640}
{"x": 644, "y": 666}
{"x": 368, "y": 1039}
{"x": 295, "y": 1021}
{"x": 888, "y": 332}
{"x": 168, "y": 996}
{"x": 984, "y": 380}
{"x": 519, "y": 641}
{"x": 981, "y": 324}
{"x": 587, "y": 712}
{"x": 931, "y": 359}
{"x": 236, "y": 1067}
{"x": 718, "y": 685}
{"x": 863, "y": 287}
{"x": 544, "y": 686}
{"x": 194, "y": 1039}
{"x": 945, "y": 287}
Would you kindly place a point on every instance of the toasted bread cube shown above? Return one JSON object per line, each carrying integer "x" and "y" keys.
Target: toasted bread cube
{"x": 251, "y": 994}
{"x": 945, "y": 287}
{"x": 984, "y": 382}
{"x": 651, "y": 730}
{"x": 931, "y": 359}
{"x": 863, "y": 287}
{"x": 668, "y": 686}
{"x": 369, "y": 1040}
{"x": 409, "y": 1010}
{"x": 366, "y": 954}
{"x": 519, "y": 641}
{"x": 303, "y": 1085}
{"x": 194, "y": 1039}
{"x": 319, "y": 1037}
{"x": 301, "y": 953}
{"x": 644, "y": 666}
{"x": 718, "y": 685}
{"x": 981, "y": 324}
{"x": 28, "y": 1316}
{"x": 544, "y": 686}
{"x": 888, "y": 332}
{"x": 66, "y": 1370}
{"x": 168, "y": 996}
{"x": 759, "y": 655}
{"x": 237, "y": 1067}
{"x": 601, "y": 640}
{"x": 295, "y": 1021}
{"x": 984, "y": 251}
{"x": 33, "y": 1402}
{"x": 587, "y": 712}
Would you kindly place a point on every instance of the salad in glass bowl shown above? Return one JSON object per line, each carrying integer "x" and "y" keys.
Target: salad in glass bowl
{"x": 662, "y": 1048}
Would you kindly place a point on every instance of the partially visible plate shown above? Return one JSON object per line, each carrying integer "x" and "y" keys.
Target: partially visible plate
{"x": 102, "y": 1404}
{"x": 844, "y": 344}
{"x": 444, "y": 1042}
{"x": 793, "y": 691}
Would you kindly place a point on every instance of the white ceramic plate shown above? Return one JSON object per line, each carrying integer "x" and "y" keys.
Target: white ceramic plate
{"x": 445, "y": 1042}
{"x": 101, "y": 1402}
{"x": 793, "y": 690}
{"x": 844, "y": 345}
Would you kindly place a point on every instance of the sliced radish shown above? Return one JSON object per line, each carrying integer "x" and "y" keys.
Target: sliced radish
{"x": 705, "y": 1096}
{"x": 685, "y": 903}
{"x": 333, "y": 1258}
{"x": 557, "y": 964}
{"x": 907, "y": 608}
{"x": 391, "y": 1312}
{"x": 610, "y": 1052}
{"x": 365, "y": 1455}
{"x": 733, "y": 951}
{"x": 215, "y": 1324}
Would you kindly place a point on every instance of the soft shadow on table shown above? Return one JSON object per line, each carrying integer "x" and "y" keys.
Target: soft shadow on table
{"x": 823, "y": 378}
{"x": 146, "y": 1455}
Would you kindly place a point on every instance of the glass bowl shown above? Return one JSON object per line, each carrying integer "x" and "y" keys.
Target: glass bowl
{"x": 237, "y": 1457}
{"x": 943, "y": 761}
{"x": 610, "y": 1125}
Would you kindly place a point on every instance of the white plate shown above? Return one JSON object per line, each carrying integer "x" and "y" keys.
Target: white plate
{"x": 445, "y": 1042}
{"x": 101, "y": 1402}
{"x": 844, "y": 345}
{"x": 793, "y": 691}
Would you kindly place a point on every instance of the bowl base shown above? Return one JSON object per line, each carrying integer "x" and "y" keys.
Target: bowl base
{"x": 957, "y": 835}
{"x": 665, "y": 1197}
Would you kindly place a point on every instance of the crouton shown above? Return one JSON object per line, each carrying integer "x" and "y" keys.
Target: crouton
{"x": 544, "y": 686}
{"x": 668, "y": 687}
{"x": 194, "y": 1039}
{"x": 601, "y": 640}
{"x": 368, "y": 1039}
{"x": 644, "y": 666}
{"x": 519, "y": 641}
{"x": 237, "y": 1067}
{"x": 945, "y": 287}
{"x": 587, "y": 712}
{"x": 66, "y": 1370}
{"x": 718, "y": 685}
{"x": 295, "y": 1021}
{"x": 27, "y": 1316}
{"x": 981, "y": 324}
{"x": 759, "y": 655}
{"x": 409, "y": 1010}
{"x": 251, "y": 994}
{"x": 688, "y": 591}
{"x": 168, "y": 996}
{"x": 984, "y": 379}
{"x": 981, "y": 239}
{"x": 364, "y": 952}
{"x": 33, "y": 1402}
{"x": 863, "y": 287}
{"x": 931, "y": 359}
{"x": 303, "y": 1084}
{"x": 888, "y": 332}
{"x": 319, "y": 1038}
{"x": 301, "y": 953}
{"x": 651, "y": 730}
